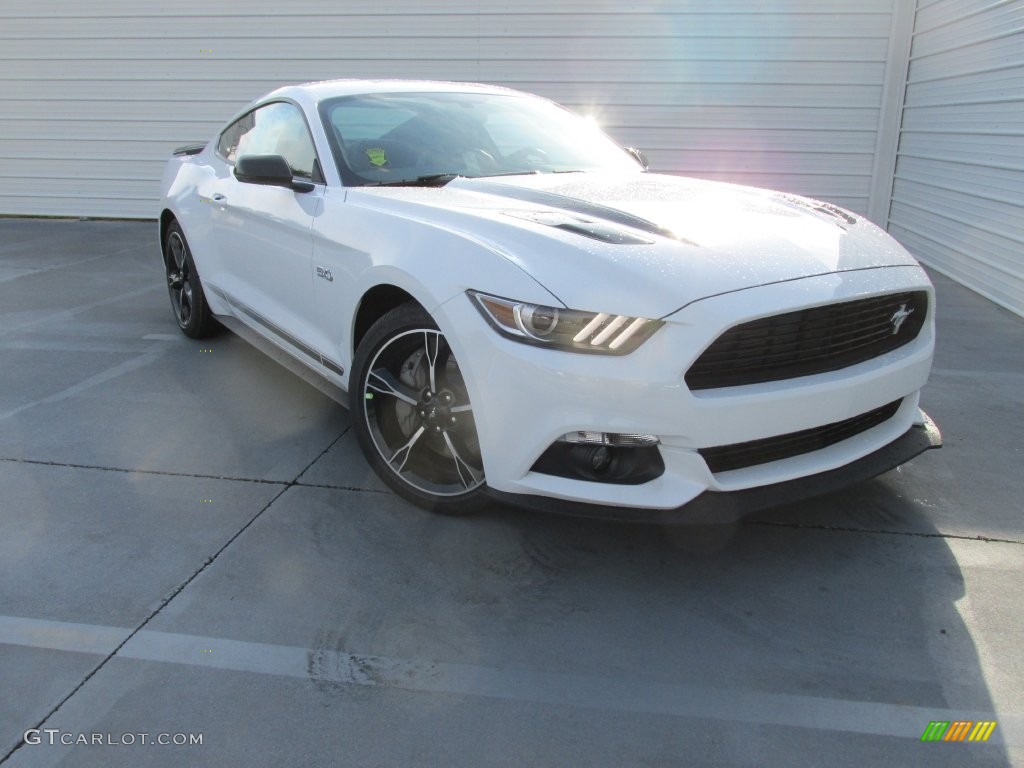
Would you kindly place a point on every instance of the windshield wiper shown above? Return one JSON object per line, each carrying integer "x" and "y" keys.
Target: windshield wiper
{"x": 440, "y": 179}
{"x": 429, "y": 180}
{"x": 506, "y": 173}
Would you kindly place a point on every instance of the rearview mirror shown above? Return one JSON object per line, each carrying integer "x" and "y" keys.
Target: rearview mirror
{"x": 271, "y": 170}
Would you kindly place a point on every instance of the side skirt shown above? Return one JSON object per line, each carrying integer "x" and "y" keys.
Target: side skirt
{"x": 286, "y": 359}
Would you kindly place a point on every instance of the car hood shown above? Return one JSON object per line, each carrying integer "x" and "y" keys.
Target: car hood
{"x": 648, "y": 243}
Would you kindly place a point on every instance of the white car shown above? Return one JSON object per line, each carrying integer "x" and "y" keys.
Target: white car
{"x": 516, "y": 310}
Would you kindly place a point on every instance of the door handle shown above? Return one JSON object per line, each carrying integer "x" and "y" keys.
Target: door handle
{"x": 217, "y": 197}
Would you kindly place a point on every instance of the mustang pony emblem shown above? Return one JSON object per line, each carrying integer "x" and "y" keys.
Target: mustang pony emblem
{"x": 899, "y": 317}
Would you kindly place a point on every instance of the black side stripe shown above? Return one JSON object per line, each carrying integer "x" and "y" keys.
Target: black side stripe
{"x": 260, "y": 320}
{"x": 331, "y": 365}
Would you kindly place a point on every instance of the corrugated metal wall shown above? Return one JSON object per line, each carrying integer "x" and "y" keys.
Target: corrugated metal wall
{"x": 958, "y": 194}
{"x": 784, "y": 94}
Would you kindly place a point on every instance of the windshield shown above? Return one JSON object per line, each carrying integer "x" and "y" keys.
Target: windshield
{"x": 417, "y": 138}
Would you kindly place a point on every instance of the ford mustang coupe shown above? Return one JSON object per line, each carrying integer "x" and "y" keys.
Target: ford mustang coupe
{"x": 514, "y": 309}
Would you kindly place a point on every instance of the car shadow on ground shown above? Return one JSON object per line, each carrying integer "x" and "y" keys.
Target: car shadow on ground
{"x": 851, "y": 596}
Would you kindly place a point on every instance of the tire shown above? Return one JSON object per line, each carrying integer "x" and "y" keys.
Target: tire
{"x": 188, "y": 302}
{"x": 420, "y": 438}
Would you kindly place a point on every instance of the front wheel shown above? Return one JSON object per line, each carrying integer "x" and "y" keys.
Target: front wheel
{"x": 412, "y": 414}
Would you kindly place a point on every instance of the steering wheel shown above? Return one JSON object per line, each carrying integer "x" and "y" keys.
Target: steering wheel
{"x": 472, "y": 162}
{"x": 526, "y": 154}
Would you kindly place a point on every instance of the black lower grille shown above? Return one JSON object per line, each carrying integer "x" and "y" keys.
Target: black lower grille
{"x": 723, "y": 458}
{"x": 810, "y": 341}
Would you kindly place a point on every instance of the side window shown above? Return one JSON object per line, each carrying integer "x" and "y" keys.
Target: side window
{"x": 276, "y": 129}
{"x": 227, "y": 146}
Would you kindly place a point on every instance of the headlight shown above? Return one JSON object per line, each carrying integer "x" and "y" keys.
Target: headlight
{"x": 566, "y": 329}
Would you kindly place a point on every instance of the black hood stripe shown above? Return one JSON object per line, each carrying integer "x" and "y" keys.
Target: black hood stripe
{"x": 570, "y": 204}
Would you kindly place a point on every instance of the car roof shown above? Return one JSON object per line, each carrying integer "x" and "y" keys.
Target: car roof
{"x": 315, "y": 92}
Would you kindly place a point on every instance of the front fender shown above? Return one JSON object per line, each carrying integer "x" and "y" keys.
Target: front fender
{"x": 366, "y": 248}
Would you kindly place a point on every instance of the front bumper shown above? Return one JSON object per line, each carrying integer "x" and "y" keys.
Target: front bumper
{"x": 525, "y": 398}
{"x": 716, "y": 507}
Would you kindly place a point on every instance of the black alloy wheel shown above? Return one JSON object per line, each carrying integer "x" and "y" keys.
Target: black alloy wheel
{"x": 188, "y": 301}
{"x": 412, "y": 414}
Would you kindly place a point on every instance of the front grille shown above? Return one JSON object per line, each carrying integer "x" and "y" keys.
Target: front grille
{"x": 723, "y": 458}
{"x": 809, "y": 341}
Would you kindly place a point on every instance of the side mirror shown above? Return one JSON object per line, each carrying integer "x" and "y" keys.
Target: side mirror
{"x": 270, "y": 170}
{"x": 639, "y": 156}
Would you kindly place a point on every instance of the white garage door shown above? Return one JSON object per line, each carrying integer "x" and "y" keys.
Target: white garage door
{"x": 784, "y": 94}
{"x": 958, "y": 195}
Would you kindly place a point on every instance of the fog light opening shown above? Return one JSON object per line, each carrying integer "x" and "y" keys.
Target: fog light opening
{"x": 601, "y": 459}
{"x": 596, "y": 458}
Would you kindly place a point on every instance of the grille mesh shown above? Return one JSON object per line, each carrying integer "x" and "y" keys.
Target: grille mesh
{"x": 809, "y": 341}
{"x": 739, "y": 455}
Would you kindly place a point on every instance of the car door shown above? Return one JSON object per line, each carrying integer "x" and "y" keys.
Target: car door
{"x": 263, "y": 233}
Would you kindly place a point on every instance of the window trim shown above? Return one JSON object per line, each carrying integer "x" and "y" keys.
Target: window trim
{"x": 317, "y": 176}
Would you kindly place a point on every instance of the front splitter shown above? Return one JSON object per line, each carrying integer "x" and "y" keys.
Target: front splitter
{"x": 713, "y": 507}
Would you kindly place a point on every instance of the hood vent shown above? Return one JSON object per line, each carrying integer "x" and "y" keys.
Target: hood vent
{"x": 836, "y": 213}
{"x": 572, "y": 205}
{"x": 594, "y": 229}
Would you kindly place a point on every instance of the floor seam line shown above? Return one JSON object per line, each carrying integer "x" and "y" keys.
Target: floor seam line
{"x": 353, "y": 488}
{"x": 163, "y": 604}
{"x": 304, "y": 470}
{"x": 916, "y": 534}
{"x": 167, "y": 600}
{"x": 160, "y": 472}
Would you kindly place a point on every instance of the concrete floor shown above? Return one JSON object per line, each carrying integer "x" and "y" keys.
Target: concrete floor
{"x": 191, "y": 544}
